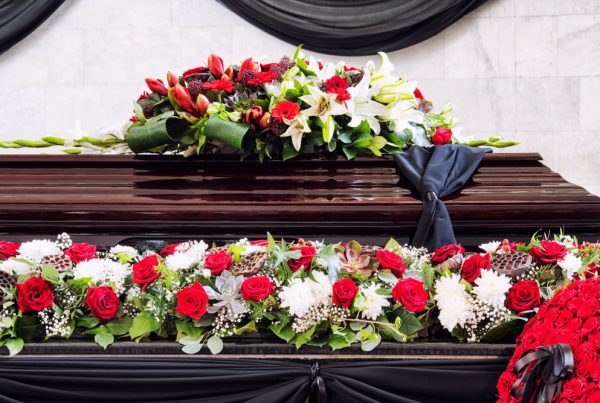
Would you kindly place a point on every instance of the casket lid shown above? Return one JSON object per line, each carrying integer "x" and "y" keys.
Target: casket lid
{"x": 106, "y": 198}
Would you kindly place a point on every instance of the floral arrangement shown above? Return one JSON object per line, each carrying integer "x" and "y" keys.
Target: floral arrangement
{"x": 571, "y": 317}
{"x": 279, "y": 110}
{"x": 304, "y": 292}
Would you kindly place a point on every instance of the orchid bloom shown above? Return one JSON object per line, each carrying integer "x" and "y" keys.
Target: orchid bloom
{"x": 361, "y": 107}
{"x": 296, "y": 130}
{"x": 402, "y": 113}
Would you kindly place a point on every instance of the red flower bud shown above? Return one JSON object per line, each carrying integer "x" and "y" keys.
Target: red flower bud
{"x": 202, "y": 103}
{"x": 215, "y": 65}
{"x": 182, "y": 97}
{"x": 247, "y": 65}
{"x": 156, "y": 85}
{"x": 254, "y": 114}
{"x": 228, "y": 73}
{"x": 172, "y": 79}
{"x": 441, "y": 136}
{"x": 264, "y": 120}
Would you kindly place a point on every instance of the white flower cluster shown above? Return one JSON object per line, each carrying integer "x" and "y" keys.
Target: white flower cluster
{"x": 414, "y": 258}
{"x": 491, "y": 287}
{"x": 19, "y": 268}
{"x": 370, "y": 303}
{"x": 570, "y": 264}
{"x": 36, "y": 250}
{"x": 103, "y": 272}
{"x": 490, "y": 247}
{"x": 302, "y": 294}
{"x": 187, "y": 255}
{"x": 454, "y": 302}
{"x": 123, "y": 250}
{"x": 485, "y": 319}
{"x": 55, "y": 324}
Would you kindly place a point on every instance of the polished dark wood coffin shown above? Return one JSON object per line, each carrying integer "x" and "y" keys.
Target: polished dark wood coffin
{"x": 140, "y": 199}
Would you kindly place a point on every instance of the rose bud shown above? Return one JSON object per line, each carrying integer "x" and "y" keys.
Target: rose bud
{"x": 441, "y": 136}
{"x": 172, "y": 79}
{"x": 228, "y": 72}
{"x": 254, "y": 114}
{"x": 215, "y": 65}
{"x": 202, "y": 103}
{"x": 264, "y": 120}
{"x": 182, "y": 97}
{"x": 156, "y": 85}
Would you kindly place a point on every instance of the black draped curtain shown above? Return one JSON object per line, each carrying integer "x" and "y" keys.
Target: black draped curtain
{"x": 18, "y": 18}
{"x": 352, "y": 27}
{"x": 194, "y": 379}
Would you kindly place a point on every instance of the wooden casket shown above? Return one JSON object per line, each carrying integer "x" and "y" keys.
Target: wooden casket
{"x": 148, "y": 201}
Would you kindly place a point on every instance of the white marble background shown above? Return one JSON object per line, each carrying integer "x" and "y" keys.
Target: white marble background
{"x": 525, "y": 69}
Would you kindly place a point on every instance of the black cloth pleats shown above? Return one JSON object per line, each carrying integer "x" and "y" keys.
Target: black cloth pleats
{"x": 438, "y": 172}
{"x": 18, "y": 18}
{"x": 352, "y": 27}
{"x": 191, "y": 379}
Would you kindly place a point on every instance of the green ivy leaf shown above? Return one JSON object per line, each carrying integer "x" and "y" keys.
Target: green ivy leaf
{"x": 142, "y": 326}
{"x": 27, "y": 327}
{"x": 119, "y": 327}
{"x": 304, "y": 337}
{"x": 409, "y": 325}
{"x": 14, "y": 346}
{"x": 370, "y": 343}
{"x": 104, "y": 339}
{"x": 50, "y": 274}
{"x": 247, "y": 328}
{"x": 87, "y": 322}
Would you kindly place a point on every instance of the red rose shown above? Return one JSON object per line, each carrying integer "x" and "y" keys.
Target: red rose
{"x": 218, "y": 85}
{"x": 411, "y": 294}
{"x": 549, "y": 252}
{"x": 308, "y": 254}
{"x": 471, "y": 268}
{"x": 169, "y": 249}
{"x": 344, "y": 291}
{"x": 285, "y": 110}
{"x": 418, "y": 94}
{"x": 339, "y": 86}
{"x": 441, "y": 136}
{"x": 8, "y": 249}
{"x": 218, "y": 262}
{"x": 80, "y": 252}
{"x": 256, "y": 288}
{"x": 192, "y": 301}
{"x": 34, "y": 295}
{"x": 523, "y": 296}
{"x": 391, "y": 261}
{"x": 144, "y": 271}
{"x": 102, "y": 302}
{"x": 446, "y": 252}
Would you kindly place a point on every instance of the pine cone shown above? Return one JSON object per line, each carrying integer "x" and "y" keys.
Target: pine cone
{"x": 512, "y": 264}
{"x": 250, "y": 264}
{"x": 60, "y": 262}
{"x": 6, "y": 281}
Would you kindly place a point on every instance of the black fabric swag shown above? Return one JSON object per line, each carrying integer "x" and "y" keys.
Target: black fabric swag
{"x": 190, "y": 379}
{"x": 438, "y": 172}
{"x": 352, "y": 27}
{"x": 18, "y": 18}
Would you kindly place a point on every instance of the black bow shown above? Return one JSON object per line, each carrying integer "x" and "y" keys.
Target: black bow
{"x": 318, "y": 391}
{"x": 554, "y": 364}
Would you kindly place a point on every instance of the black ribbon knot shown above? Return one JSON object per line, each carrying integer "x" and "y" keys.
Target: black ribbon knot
{"x": 318, "y": 391}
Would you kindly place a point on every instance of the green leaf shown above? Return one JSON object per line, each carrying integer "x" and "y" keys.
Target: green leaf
{"x": 215, "y": 344}
{"x": 387, "y": 277}
{"x": 338, "y": 342}
{"x": 50, "y": 274}
{"x": 356, "y": 326}
{"x": 350, "y": 152}
{"x": 14, "y": 346}
{"x": 142, "y": 326}
{"x": 305, "y": 337}
{"x": 505, "y": 331}
{"x": 247, "y": 328}
{"x": 192, "y": 348}
{"x": 369, "y": 344}
{"x": 27, "y": 327}
{"x": 104, "y": 339}
{"x": 119, "y": 326}
{"x": 393, "y": 245}
{"x": 151, "y": 135}
{"x": 328, "y": 129}
{"x": 289, "y": 151}
{"x": 409, "y": 325}
{"x": 226, "y": 132}
{"x": 88, "y": 322}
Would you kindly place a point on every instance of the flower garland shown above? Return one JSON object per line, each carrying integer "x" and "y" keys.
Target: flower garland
{"x": 278, "y": 109}
{"x": 305, "y": 292}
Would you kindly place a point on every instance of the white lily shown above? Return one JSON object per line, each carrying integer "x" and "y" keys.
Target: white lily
{"x": 402, "y": 113}
{"x": 361, "y": 107}
{"x": 395, "y": 91}
{"x": 322, "y": 104}
{"x": 323, "y": 73}
{"x": 296, "y": 130}
{"x": 382, "y": 75}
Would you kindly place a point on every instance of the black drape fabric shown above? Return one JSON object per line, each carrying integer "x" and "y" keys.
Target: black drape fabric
{"x": 352, "y": 27}
{"x": 18, "y": 18}
{"x": 193, "y": 379}
{"x": 438, "y": 172}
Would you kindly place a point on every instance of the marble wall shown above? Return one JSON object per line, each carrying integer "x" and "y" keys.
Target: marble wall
{"x": 525, "y": 69}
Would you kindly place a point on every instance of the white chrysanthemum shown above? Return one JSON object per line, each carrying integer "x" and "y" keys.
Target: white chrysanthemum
{"x": 455, "y": 312}
{"x": 102, "y": 271}
{"x": 179, "y": 261}
{"x": 321, "y": 288}
{"x": 448, "y": 287}
{"x": 36, "y": 250}
{"x": 15, "y": 267}
{"x": 197, "y": 251}
{"x": 371, "y": 306}
{"x": 297, "y": 297}
{"x": 570, "y": 264}
{"x": 490, "y": 247}
{"x": 491, "y": 287}
{"x": 124, "y": 250}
